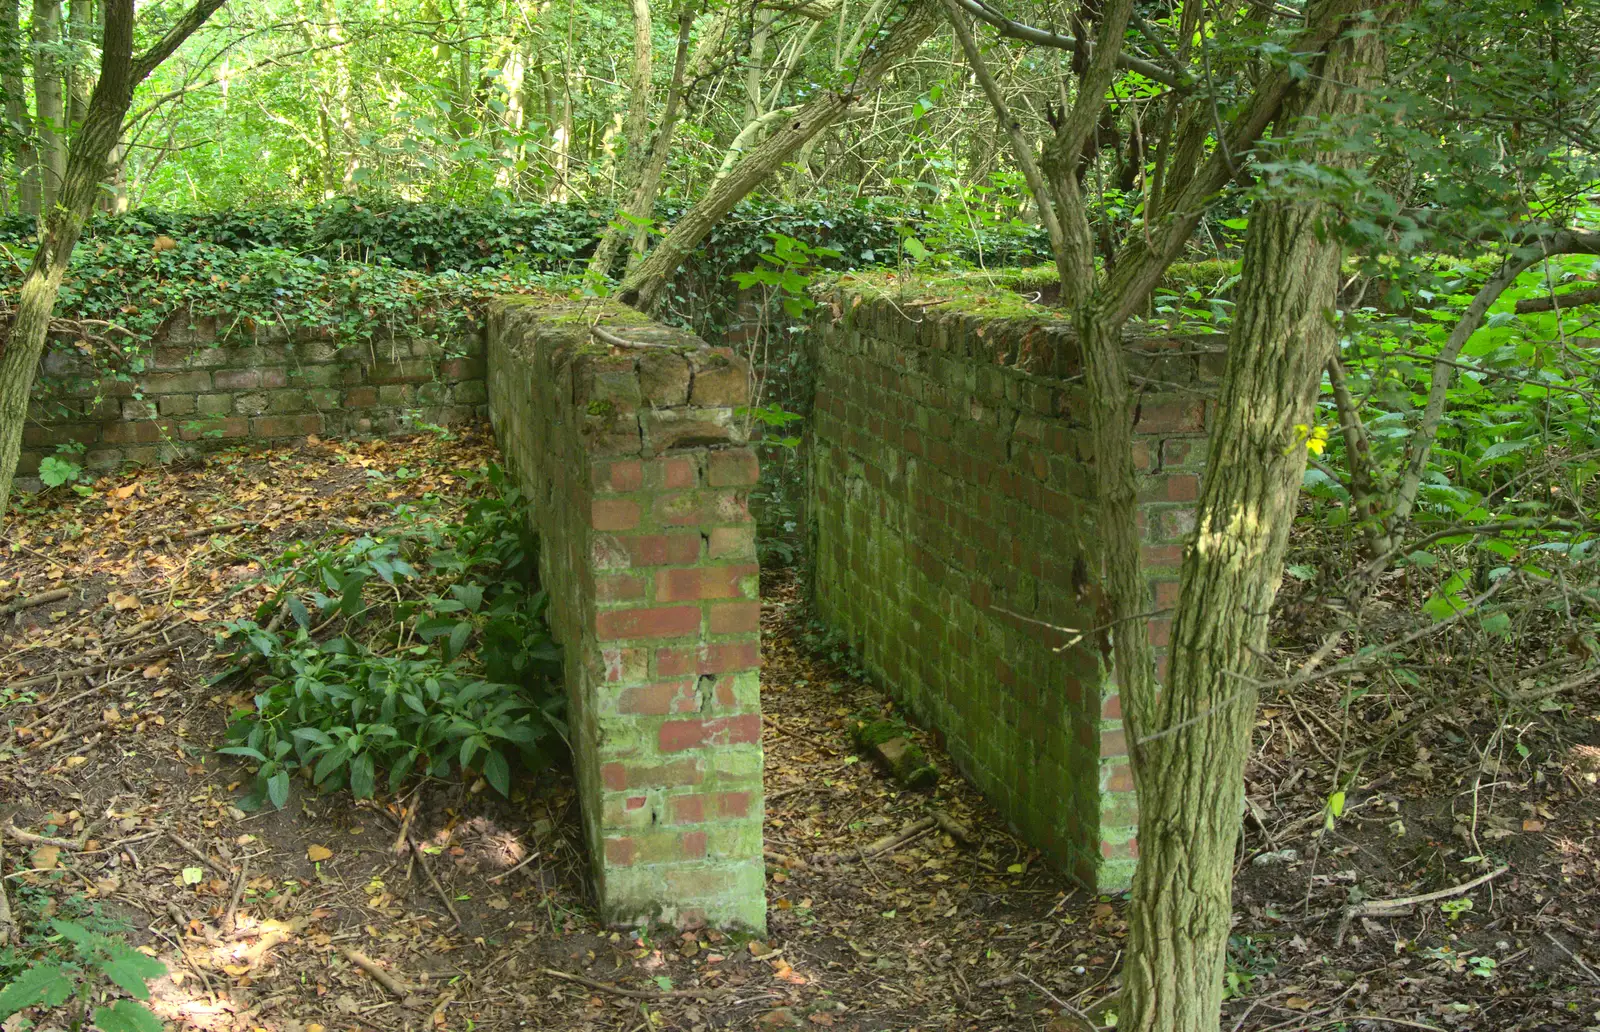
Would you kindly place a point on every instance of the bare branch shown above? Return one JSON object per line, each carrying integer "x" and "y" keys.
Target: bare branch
{"x": 1045, "y": 38}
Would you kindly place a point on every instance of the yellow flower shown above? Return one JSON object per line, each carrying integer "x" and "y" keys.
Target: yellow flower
{"x": 1315, "y": 438}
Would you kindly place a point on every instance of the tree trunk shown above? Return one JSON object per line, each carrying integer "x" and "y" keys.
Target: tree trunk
{"x": 644, "y": 284}
{"x": 47, "y": 100}
{"x": 1191, "y": 739}
{"x": 27, "y": 153}
{"x": 63, "y": 223}
{"x": 79, "y": 72}
{"x": 1189, "y": 767}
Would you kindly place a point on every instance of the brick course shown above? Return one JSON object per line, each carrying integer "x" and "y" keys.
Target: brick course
{"x": 204, "y": 389}
{"x": 951, "y": 513}
{"x": 638, "y": 477}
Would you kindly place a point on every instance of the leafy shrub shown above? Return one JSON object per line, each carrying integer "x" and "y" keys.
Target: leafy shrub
{"x": 447, "y": 668}
{"x": 64, "y": 962}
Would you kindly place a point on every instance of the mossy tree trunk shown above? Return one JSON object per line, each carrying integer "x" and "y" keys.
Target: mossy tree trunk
{"x": 85, "y": 175}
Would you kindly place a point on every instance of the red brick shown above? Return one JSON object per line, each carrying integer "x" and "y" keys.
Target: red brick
{"x": 732, "y": 543}
{"x": 741, "y": 730}
{"x": 634, "y": 803}
{"x": 660, "y": 549}
{"x": 1160, "y": 555}
{"x": 708, "y": 659}
{"x": 674, "y": 473}
{"x": 1171, "y": 417}
{"x": 659, "y": 698}
{"x": 286, "y": 426}
{"x": 1113, "y": 743}
{"x": 1160, "y": 631}
{"x": 613, "y": 514}
{"x": 735, "y": 617}
{"x": 702, "y": 582}
{"x": 619, "y": 587}
{"x": 678, "y": 735}
{"x": 619, "y": 776}
{"x": 1166, "y": 594}
{"x": 360, "y": 397}
{"x": 694, "y": 845}
{"x": 687, "y": 809}
{"x": 1121, "y": 779}
{"x": 1111, "y": 707}
{"x": 656, "y": 622}
{"x": 724, "y": 692}
{"x": 619, "y": 852}
{"x": 622, "y": 475}
{"x": 733, "y": 804}
{"x": 734, "y": 467}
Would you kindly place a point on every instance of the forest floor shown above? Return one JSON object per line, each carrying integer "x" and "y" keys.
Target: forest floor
{"x": 110, "y": 727}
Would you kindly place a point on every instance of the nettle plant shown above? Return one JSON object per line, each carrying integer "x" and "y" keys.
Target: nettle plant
{"x": 422, "y": 649}
{"x": 70, "y": 974}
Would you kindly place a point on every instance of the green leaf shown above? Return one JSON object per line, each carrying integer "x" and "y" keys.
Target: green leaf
{"x": 131, "y": 970}
{"x": 126, "y": 1016}
{"x": 1336, "y": 804}
{"x": 46, "y": 984}
{"x": 243, "y": 750}
{"x": 458, "y": 638}
{"x": 297, "y": 609}
{"x": 278, "y": 789}
{"x": 1497, "y": 624}
{"x": 362, "y": 776}
{"x": 497, "y": 772}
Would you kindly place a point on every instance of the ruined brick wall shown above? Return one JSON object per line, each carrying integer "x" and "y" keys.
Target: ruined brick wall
{"x": 952, "y": 532}
{"x": 198, "y": 391}
{"x": 638, "y": 476}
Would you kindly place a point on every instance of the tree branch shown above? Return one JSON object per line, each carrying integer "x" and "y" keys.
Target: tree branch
{"x": 1045, "y": 38}
{"x": 192, "y": 19}
{"x": 1572, "y": 299}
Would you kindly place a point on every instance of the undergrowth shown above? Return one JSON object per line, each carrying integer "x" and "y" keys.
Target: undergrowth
{"x": 419, "y": 649}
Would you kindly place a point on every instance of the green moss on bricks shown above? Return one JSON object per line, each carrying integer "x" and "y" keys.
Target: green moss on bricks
{"x": 905, "y": 761}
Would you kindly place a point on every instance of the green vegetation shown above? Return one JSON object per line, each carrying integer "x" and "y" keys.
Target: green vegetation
{"x": 438, "y": 660}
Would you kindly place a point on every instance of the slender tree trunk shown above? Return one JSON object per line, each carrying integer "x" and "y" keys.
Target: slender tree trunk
{"x": 644, "y": 284}
{"x": 63, "y": 223}
{"x": 27, "y": 153}
{"x": 1191, "y": 739}
{"x": 647, "y": 176}
{"x": 79, "y": 72}
{"x": 47, "y": 100}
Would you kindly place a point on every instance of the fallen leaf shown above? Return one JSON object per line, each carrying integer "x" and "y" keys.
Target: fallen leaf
{"x": 45, "y": 857}
{"x": 317, "y": 854}
{"x": 1532, "y": 825}
{"x": 1299, "y": 1003}
{"x": 122, "y": 602}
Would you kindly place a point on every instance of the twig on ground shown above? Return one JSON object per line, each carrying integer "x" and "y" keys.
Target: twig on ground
{"x": 238, "y": 894}
{"x": 377, "y": 974}
{"x": 1393, "y": 907}
{"x": 35, "y": 600}
{"x": 401, "y": 839}
{"x": 126, "y": 661}
{"x": 197, "y": 853}
{"x": 1586, "y": 969}
{"x": 506, "y": 874}
{"x": 636, "y": 994}
{"x": 8, "y": 925}
{"x": 444, "y": 897}
{"x": 28, "y": 838}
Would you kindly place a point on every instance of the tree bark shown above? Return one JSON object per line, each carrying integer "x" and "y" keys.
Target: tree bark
{"x": 645, "y": 184}
{"x": 51, "y": 117}
{"x": 1191, "y": 739}
{"x": 644, "y": 284}
{"x": 27, "y": 153}
{"x": 63, "y": 223}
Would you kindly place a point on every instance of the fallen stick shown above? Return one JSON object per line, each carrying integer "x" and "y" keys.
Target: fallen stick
{"x": 794, "y": 863}
{"x": 35, "y": 600}
{"x": 889, "y": 842}
{"x": 1570, "y": 955}
{"x": 197, "y": 853}
{"x": 1393, "y": 907}
{"x": 449, "y": 904}
{"x": 7, "y": 924}
{"x": 378, "y": 974}
{"x": 503, "y": 876}
{"x": 238, "y": 893}
{"x": 193, "y": 532}
{"x": 955, "y": 829}
{"x": 28, "y": 838}
{"x": 636, "y": 994}
{"x": 126, "y": 661}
